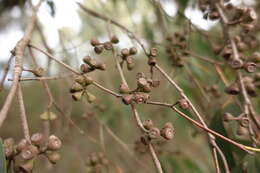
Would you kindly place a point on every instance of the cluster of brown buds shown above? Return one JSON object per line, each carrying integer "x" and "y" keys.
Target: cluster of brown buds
{"x": 126, "y": 56}
{"x": 140, "y": 94}
{"x": 79, "y": 88}
{"x": 250, "y": 86}
{"x": 243, "y": 123}
{"x": 90, "y": 64}
{"x": 99, "y": 47}
{"x": 153, "y": 133}
{"x": 96, "y": 161}
{"x": 175, "y": 48}
{"x": 209, "y": 10}
{"x": 25, "y": 153}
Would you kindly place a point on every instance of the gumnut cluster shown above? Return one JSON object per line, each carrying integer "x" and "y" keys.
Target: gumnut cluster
{"x": 99, "y": 47}
{"x": 141, "y": 93}
{"x": 25, "y": 152}
{"x": 154, "y": 133}
{"x": 96, "y": 162}
{"x": 127, "y": 58}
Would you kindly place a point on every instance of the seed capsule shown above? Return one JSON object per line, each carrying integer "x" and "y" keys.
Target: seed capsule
{"x": 133, "y": 51}
{"x": 53, "y": 157}
{"x": 124, "y": 89}
{"x": 29, "y": 152}
{"x": 148, "y": 124}
{"x": 114, "y": 39}
{"x": 153, "y": 52}
{"x": 124, "y": 52}
{"x": 151, "y": 61}
{"x": 154, "y": 133}
{"x": 27, "y": 167}
{"x": 99, "y": 49}
{"x": 101, "y": 66}
{"x": 90, "y": 97}
{"x": 94, "y": 42}
{"x": 37, "y": 139}
{"x": 183, "y": 103}
{"x": 76, "y": 87}
{"x": 250, "y": 67}
{"x": 127, "y": 99}
{"x": 22, "y": 145}
{"x": 108, "y": 45}
{"x": 167, "y": 133}
{"x": 233, "y": 89}
{"x": 236, "y": 63}
{"x": 54, "y": 143}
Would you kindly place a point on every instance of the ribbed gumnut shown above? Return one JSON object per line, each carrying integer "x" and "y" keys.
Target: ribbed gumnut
{"x": 249, "y": 15}
{"x": 142, "y": 82}
{"x": 130, "y": 63}
{"x": 53, "y": 156}
{"x": 250, "y": 67}
{"x": 124, "y": 53}
{"x": 90, "y": 97}
{"x": 167, "y": 133}
{"x": 233, "y": 89}
{"x": 236, "y": 63}
{"x": 124, "y": 89}
{"x": 153, "y": 52}
{"x": 132, "y": 51}
{"x": 148, "y": 124}
{"x": 114, "y": 39}
{"x": 22, "y": 145}
{"x": 140, "y": 97}
{"x": 37, "y": 139}
{"x": 228, "y": 116}
{"x": 54, "y": 143}
{"x": 127, "y": 99}
{"x": 27, "y": 166}
{"x": 8, "y": 145}
{"x": 227, "y": 52}
{"x": 77, "y": 95}
{"x": 76, "y": 87}
{"x": 183, "y": 103}
{"x": 99, "y": 49}
{"x": 29, "y": 152}
{"x": 90, "y": 61}
{"x": 84, "y": 68}
{"x": 154, "y": 133}
{"x": 94, "y": 42}
{"x": 251, "y": 89}
{"x": 108, "y": 45}
{"x": 83, "y": 80}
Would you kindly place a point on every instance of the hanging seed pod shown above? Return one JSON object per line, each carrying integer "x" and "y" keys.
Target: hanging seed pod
{"x": 251, "y": 89}
{"x": 54, "y": 143}
{"x": 53, "y": 156}
{"x": 242, "y": 46}
{"x": 133, "y": 51}
{"x": 124, "y": 89}
{"x": 154, "y": 133}
{"x": 90, "y": 97}
{"x": 114, "y": 39}
{"x": 140, "y": 97}
{"x": 227, "y": 53}
{"x": 168, "y": 125}
{"x": 130, "y": 63}
{"x": 94, "y": 159}
{"x": 142, "y": 82}
{"x": 22, "y": 145}
{"x": 108, "y": 45}
{"x": 167, "y": 133}
{"x": 127, "y": 99}
{"x": 233, "y": 89}
{"x": 76, "y": 87}
{"x": 148, "y": 124}
{"x": 227, "y": 117}
{"x": 8, "y": 145}
{"x": 151, "y": 61}
{"x": 84, "y": 80}
{"x": 255, "y": 57}
{"x": 27, "y": 166}
{"x": 247, "y": 27}
{"x": 94, "y": 42}
{"x": 77, "y": 95}
{"x": 236, "y": 63}
{"x": 145, "y": 140}
{"x": 257, "y": 77}
{"x": 183, "y": 103}
{"x": 124, "y": 53}
{"x": 249, "y": 15}
{"x": 37, "y": 139}
{"x": 153, "y": 52}
{"x": 29, "y": 152}
{"x": 84, "y": 68}
{"x": 250, "y": 67}
{"x": 99, "y": 49}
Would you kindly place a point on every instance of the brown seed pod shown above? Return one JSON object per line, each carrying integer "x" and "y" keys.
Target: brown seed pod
{"x": 133, "y": 51}
{"x": 241, "y": 131}
{"x": 144, "y": 140}
{"x": 94, "y": 158}
{"x": 227, "y": 53}
{"x": 108, "y": 45}
{"x": 233, "y": 89}
{"x": 257, "y": 77}
{"x": 214, "y": 15}
{"x": 167, "y": 133}
{"x": 228, "y": 116}
{"x": 154, "y": 133}
{"x": 142, "y": 82}
{"x": 140, "y": 97}
{"x": 244, "y": 122}
{"x": 130, "y": 63}
{"x": 124, "y": 89}
{"x": 94, "y": 42}
{"x": 29, "y": 152}
{"x": 249, "y": 15}
{"x": 53, "y": 156}
{"x": 148, "y": 124}
{"x": 38, "y": 72}
{"x": 22, "y": 145}
{"x": 153, "y": 52}
{"x": 236, "y": 63}
{"x": 183, "y": 103}
{"x": 90, "y": 97}
{"x": 168, "y": 125}
{"x": 151, "y": 61}
{"x": 255, "y": 57}
{"x": 83, "y": 80}
{"x": 250, "y": 67}
{"x": 251, "y": 89}
{"x": 124, "y": 53}
{"x": 101, "y": 66}
{"x": 84, "y": 68}
{"x": 127, "y": 99}
{"x": 76, "y": 87}
{"x": 99, "y": 49}
{"x": 114, "y": 39}
{"x": 54, "y": 143}
{"x": 37, "y": 139}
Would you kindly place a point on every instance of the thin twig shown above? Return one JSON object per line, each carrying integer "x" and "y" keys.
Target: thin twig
{"x": 6, "y": 69}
